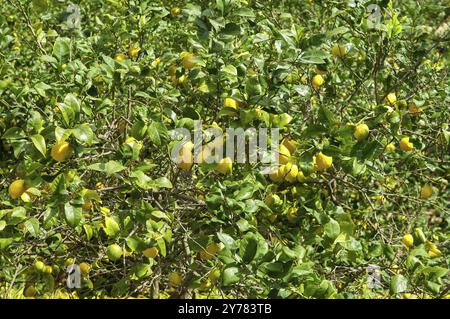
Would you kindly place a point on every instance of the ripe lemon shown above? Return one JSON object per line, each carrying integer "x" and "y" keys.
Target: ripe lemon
{"x": 175, "y": 11}
{"x": 214, "y": 275}
{"x": 426, "y": 191}
{"x": 272, "y": 200}
{"x": 408, "y": 240}
{"x": 283, "y": 154}
{"x": 209, "y": 252}
{"x": 188, "y": 60}
{"x": 390, "y": 147}
{"x": 290, "y": 144}
{"x": 85, "y": 268}
{"x": 48, "y": 269}
{"x": 114, "y": 252}
{"x": 323, "y": 162}
{"x": 120, "y": 57}
{"x": 317, "y": 81}
{"x": 87, "y": 205}
{"x": 301, "y": 177}
{"x": 17, "y": 188}
{"x": 361, "y": 131}
{"x": 156, "y": 62}
{"x": 186, "y": 156}
{"x": 275, "y": 176}
{"x": 338, "y": 51}
{"x": 225, "y": 165}
{"x": 133, "y": 52}
{"x": 175, "y": 279}
{"x": 291, "y": 176}
{"x": 29, "y": 292}
{"x": 391, "y": 98}
{"x": 406, "y": 145}
{"x": 172, "y": 70}
{"x": 412, "y": 108}
{"x": 433, "y": 251}
{"x": 151, "y": 252}
{"x": 61, "y": 151}
{"x": 291, "y": 214}
{"x": 230, "y": 103}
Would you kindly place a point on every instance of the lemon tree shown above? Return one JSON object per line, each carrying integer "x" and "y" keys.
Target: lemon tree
{"x": 357, "y": 207}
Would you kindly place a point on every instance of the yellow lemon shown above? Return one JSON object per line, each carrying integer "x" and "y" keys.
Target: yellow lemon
{"x": 390, "y": 147}
{"x": 408, "y": 240}
{"x": 151, "y": 252}
{"x": 133, "y": 52}
{"x": 391, "y": 98}
{"x": 156, "y": 62}
{"x": 99, "y": 185}
{"x": 291, "y": 214}
{"x": 283, "y": 154}
{"x": 225, "y": 165}
{"x": 317, "y": 81}
{"x": 338, "y": 51}
{"x": 172, "y": 70}
{"x": 406, "y": 145}
{"x": 412, "y": 108}
{"x": 209, "y": 252}
{"x": 272, "y": 200}
{"x": 323, "y": 162}
{"x": 214, "y": 275}
{"x": 275, "y": 176}
{"x": 426, "y": 191}
{"x": 230, "y": 103}
{"x": 120, "y": 57}
{"x": 283, "y": 170}
{"x": 175, "y": 279}
{"x": 85, "y": 268}
{"x": 187, "y": 159}
{"x": 433, "y": 251}
{"x": 272, "y": 217}
{"x": 61, "y": 151}
{"x": 290, "y": 144}
{"x": 87, "y": 205}
{"x": 361, "y": 131}
{"x": 291, "y": 176}
{"x": 188, "y": 60}
{"x": 26, "y": 197}
{"x": 301, "y": 177}
{"x": 175, "y": 11}
{"x": 17, "y": 188}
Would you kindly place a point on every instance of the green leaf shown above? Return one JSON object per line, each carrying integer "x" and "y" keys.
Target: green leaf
{"x": 84, "y": 134}
{"x": 230, "y": 276}
{"x": 227, "y": 240}
{"x": 161, "y": 246}
{"x": 247, "y": 248}
{"x": 111, "y": 228}
{"x": 32, "y": 225}
{"x": 136, "y": 244}
{"x": 73, "y": 214}
{"x": 109, "y": 168}
{"x": 5, "y": 242}
{"x": 145, "y": 182}
{"x": 61, "y": 48}
{"x": 398, "y": 284}
{"x": 332, "y": 229}
{"x": 88, "y": 231}
{"x": 39, "y": 142}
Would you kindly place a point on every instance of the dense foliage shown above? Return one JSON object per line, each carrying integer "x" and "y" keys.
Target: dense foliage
{"x": 360, "y": 211}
